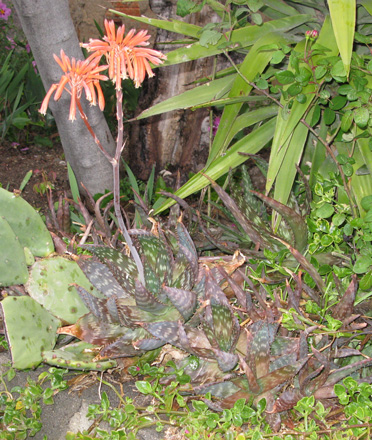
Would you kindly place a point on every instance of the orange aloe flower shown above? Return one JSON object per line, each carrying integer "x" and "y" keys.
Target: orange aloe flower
{"x": 78, "y": 75}
{"x": 125, "y": 55}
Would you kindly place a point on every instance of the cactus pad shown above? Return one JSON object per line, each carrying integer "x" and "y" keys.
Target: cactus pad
{"x": 13, "y": 268}
{"x": 30, "y": 329}
{"x": 50, "y": 284}
{"x": 77, "y": 356}
{"x": 26, "y": 224}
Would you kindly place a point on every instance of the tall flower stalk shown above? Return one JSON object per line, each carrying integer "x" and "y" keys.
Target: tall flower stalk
{"x": 126, "y": 58}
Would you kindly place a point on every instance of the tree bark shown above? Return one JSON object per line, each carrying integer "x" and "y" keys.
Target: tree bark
{"x": 177, "y": 140}
{"x": 48, "y": 27}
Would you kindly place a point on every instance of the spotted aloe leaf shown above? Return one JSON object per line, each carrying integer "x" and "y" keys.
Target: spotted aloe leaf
{"x": 151, "y": 279}
{"x": 225, "y": 325}
{"x": 136, "y": 316}
{"x": 187, "y": 246}
{"x": 261, "y": 237}
{"x": 305, "y": 264}
{"x": 93, "y": 330}
{"x": 345, "y": 306}
{"x": 157, "y": 257}
{"x": 258, "y": 350}
{"x": 101, "y": 277}
{"x": 166, "y": 331}
{"x": 146, "y": 301}
{"x": 102, "y": 308}
{"x": 280, "y": 376}
{"x": 226, "y": 361}
{"x": 247, "y": 185}
{"x": 295, "y": 221}
{"x": 132, "y": 343}
{"x": 287, "y": 400}
{"x": 120, "y": 265}
{"x": 185, "y": 301}
{"x": 182, "y": 270}
{"x": 346, "y": 371}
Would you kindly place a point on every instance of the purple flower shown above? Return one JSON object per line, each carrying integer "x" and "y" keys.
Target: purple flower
{"x": 28, "y": 48}
{"x": 34, "y": 66}
{"x": 216, "y": 123}
{"x": 4, "y": 12}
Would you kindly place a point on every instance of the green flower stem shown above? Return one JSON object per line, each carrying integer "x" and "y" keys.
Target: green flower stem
{"x": 116, "y": 168}
{"x": 115, "y": 162}
{"x": 91, "y": 131}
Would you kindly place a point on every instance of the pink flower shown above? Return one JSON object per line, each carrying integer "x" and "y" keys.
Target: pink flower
{"x": 311, "y": 35}
{"x": 28, "y": 48}
{"x": 4, "y": 12}
{"x": 12, "y": 43}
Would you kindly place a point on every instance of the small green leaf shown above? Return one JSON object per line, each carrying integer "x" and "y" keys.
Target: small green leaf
{"x": 325, "y": 211}
{"x": 320, "y": 71}
{"x": 255, "y": 5}
{"x": 361, "y": 117}
{"x": 329, "y": 116}
{"x": 144, "y": 387}
{"x": 316, "y": 116}
{"x": 345, "y": 89}
{"x": 301, "y": 98}
{"x": 257, "y": 19}
{"x": 338, "y": 219}
{"x": 262, "y": 84}
{"x": 337, "y": 102}
{"x": 362, "y": 265}
{"x": 348, "y": 170}
{"x": 209, "y": 37}
{"x": 338, "y": 70}
{"x": 285, "y": 77}
{"x": 186, "y": 7}
{"x": 366, "y": 281}
{"x": 277, "y": 57}
{"x": 294, "y": 89}
{"x": 326, "y": 240}
{"x": 346, "y": 121}
{"x": 366, "y": 203}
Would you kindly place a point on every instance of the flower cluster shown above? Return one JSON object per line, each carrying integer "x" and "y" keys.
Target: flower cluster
{"x": 311, "y": 35}
{"x": 78, "y": 76}
{"x": 4, "y": 11}
{"x": 125, "y": 54}
{"x": 126, "y": 58}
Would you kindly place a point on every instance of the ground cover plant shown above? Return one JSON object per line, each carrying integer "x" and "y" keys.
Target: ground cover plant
{"x": 268, "y": 332}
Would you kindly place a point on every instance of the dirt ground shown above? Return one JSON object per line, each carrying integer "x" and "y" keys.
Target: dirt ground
{"x": 45, "y": 162}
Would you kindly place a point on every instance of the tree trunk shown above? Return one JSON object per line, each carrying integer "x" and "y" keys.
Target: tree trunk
{"x": 48, "y": 27}
{"x": 177, "y": 140}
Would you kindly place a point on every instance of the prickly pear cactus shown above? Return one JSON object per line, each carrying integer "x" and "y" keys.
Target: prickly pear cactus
{"x": 30, "y": 329}
{"x": 51, "y": 285}
{"x": 13, "y": 267}
{"x": 26, "y": 224}
{"x": 78, "y": 356}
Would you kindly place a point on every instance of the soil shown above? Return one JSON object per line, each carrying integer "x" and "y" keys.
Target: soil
{"x": 44, "y": 162}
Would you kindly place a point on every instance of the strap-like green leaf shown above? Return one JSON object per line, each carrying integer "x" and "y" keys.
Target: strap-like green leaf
{"x": 193, "y": 97}
{"x": 242, "y": 37}
{"x": 286, "y": 125}
{"x": 253, "y": 64}
{"x": 252, "y": 143}
{"x": 343, "y": 16}
{"x": 180, "y": 27}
